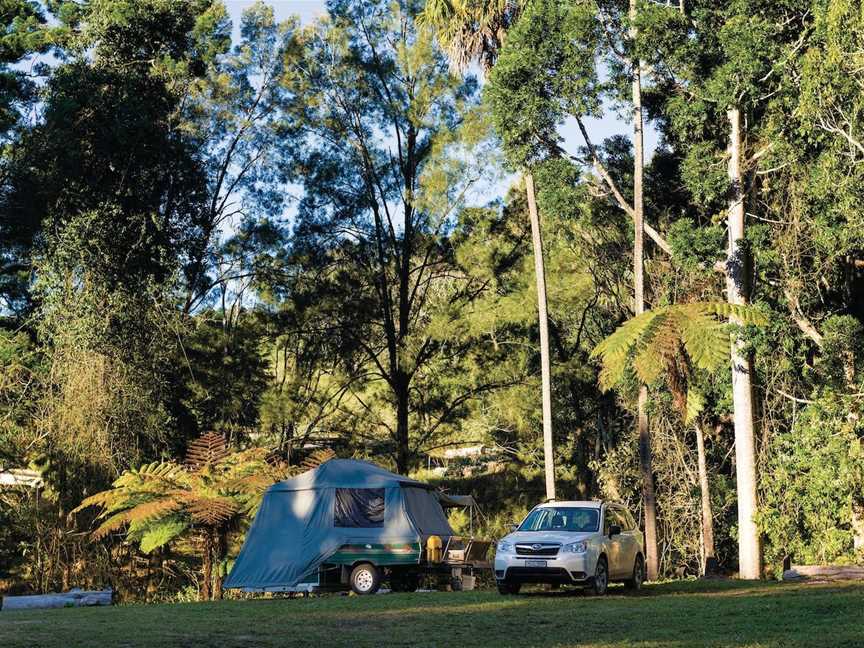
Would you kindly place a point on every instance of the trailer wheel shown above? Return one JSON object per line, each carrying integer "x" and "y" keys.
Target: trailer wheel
{"x": 365, "y": 579}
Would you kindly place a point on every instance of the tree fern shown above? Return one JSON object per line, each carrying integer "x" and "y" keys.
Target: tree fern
{"x": 207, "y": 497}
{"x": 645, "y": 343}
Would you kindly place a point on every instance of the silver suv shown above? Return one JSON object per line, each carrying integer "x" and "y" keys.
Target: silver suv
{"x": 586, "y": 544}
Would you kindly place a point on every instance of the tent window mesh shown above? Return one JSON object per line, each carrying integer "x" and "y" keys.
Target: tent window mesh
{"x": 359, "y": 507}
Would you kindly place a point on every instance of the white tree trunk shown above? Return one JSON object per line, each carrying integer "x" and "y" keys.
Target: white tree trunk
{"x": 749, "y": 543}
{"x": 649, "y": 501}
{"x": 543, "y": 314}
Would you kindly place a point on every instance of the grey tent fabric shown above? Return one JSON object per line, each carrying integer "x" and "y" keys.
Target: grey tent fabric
{"x": 294, "y": 531}
{"x": 452, "y": 501}
{"x": 426, "y": 513}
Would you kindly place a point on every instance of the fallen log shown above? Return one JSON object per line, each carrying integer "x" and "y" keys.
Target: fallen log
{"x": 72, "y": 598}
{"x": 824, "y": 572}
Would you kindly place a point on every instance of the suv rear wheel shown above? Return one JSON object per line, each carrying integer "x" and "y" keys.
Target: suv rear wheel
{"x": 508, "y": 588}
{"x": 365, "y": 579}
{"x": 634, "y": 583}
{"x": 600, "y": 582}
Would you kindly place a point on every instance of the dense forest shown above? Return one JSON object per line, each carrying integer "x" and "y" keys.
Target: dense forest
{"x": 339, "y": 235}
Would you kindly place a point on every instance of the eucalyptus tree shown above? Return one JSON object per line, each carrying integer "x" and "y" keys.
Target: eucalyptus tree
{"x": 548, "y": 71}
{"x": 231, "y": 114}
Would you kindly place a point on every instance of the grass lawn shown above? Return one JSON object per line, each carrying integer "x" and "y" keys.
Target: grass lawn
{"x": 714, "y": 613}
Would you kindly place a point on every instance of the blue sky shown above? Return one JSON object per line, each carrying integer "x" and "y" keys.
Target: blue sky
{"x": 598, "y": 129}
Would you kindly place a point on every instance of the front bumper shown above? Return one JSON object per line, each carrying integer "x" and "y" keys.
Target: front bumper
{"x": 563, "y": 569}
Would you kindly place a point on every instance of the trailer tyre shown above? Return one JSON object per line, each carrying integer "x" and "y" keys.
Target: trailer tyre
{"x": 365, "y": 579}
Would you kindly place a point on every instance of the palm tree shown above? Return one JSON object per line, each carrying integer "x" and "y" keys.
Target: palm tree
{"x": 208, "y": 497}
{"x": 473, "y": 31}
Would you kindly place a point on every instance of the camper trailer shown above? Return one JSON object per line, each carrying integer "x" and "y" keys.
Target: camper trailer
{"x": 351, "y": 524}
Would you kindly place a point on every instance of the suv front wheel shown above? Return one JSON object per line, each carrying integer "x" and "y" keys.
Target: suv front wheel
{"x": 508, "y": 588}
{"x": 600, "y": 582}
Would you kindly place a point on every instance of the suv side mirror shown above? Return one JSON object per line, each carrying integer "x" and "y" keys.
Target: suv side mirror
{"x": 614, "y": 530}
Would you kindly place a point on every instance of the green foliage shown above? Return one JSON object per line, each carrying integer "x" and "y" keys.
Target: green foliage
{"x": 814, "y": 479}
{"x": 292, "y": 238}
{"x": 647, "y": 342}
{"x": 545, "y": 73}
{"x": 696, "y": 249}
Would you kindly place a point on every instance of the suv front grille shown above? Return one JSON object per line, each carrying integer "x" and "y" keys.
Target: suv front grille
{"x": 537, "y": 549}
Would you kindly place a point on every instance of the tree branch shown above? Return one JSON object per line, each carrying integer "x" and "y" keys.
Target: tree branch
{"x": 803, "y": 323}
{"x": 653, "y": 234}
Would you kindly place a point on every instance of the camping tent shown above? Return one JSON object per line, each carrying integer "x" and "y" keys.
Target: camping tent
{"x": 305, "y": 520}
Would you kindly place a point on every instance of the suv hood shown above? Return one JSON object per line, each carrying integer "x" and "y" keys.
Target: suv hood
{"x": 561, "y": 537}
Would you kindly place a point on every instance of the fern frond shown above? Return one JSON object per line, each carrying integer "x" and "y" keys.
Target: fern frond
{"x": 113, "y": 523}
{"x": 695, "y": 404}
{"x": 317, "y": 458}
{"x": 161, "y": 533}
{"x": 208, "y": 449}
{"x": 625, "y": 336}
{"x": 705, "y": 339}
{"x": 744, "y": 314}
{"x": 171, "y": 474}
{"x": 643, "y": 342}
{"x": 154, "y": 509}
{"x": 648, "y": 364}
{"x": 99, "y": 499}
{"x": 212, "y": 511}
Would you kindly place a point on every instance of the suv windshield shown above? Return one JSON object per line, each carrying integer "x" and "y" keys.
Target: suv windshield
{"x": 562, "y": 518}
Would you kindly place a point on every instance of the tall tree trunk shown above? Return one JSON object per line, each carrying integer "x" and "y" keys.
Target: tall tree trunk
{"x": 543, "y": 315}
{"x": 403, "y": 451}
{"x": 649, "y": 501}
{"x": 737, "y": 279}
{"x": 708, "y": 557}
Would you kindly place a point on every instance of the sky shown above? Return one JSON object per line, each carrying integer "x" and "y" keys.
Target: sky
{"x": 598, "y": 129}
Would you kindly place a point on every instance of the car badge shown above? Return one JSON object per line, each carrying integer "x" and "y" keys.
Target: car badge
{"x": 536, "y": 547}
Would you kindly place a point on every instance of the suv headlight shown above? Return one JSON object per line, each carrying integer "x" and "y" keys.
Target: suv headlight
{"x": 575, "y": 547}
{"x": 505, "y": 547}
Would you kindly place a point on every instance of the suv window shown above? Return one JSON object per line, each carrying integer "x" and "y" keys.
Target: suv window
{"x": 562, "y": 518}
{"x": 613, "y": 516}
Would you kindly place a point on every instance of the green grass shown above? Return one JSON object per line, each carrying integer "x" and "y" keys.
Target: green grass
{"x": 713, "y": 613}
